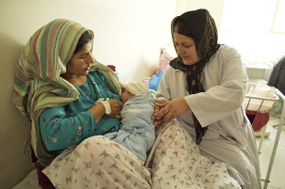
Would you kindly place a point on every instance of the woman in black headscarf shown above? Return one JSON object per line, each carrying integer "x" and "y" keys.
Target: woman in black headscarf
{"x": 204, "y": 88}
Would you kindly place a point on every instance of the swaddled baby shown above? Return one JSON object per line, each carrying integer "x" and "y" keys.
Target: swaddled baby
{"x": 137, "y": 131}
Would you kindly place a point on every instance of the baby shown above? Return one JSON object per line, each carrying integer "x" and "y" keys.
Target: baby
{"x": 137, "y": 132}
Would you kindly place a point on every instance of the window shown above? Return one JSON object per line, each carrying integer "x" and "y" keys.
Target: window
{"x": 278, "y": 25}
{"x": 255, "y": 28}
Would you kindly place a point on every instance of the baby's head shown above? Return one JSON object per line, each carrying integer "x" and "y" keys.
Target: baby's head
{"x": 131, "y": 89}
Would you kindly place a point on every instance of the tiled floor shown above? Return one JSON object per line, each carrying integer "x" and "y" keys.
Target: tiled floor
{"x": 277, "y": 177}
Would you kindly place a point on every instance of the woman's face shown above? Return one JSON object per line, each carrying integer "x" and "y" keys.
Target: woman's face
{"x": 81, "y": 61}
{"x": 185, "y": 48}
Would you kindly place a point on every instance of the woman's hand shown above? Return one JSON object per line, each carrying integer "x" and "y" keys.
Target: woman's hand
{"x": 116, "y": 107}
{"x": 98, "y": 110}
{"x": 173, "y": 109}
{"x": 158, "y": 105}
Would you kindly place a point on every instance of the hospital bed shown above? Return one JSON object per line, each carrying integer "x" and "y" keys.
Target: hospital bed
{"x": 253, "y": 102}
{"x": 258, "y": 103}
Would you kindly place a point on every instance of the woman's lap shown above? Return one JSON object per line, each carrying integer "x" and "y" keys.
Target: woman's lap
{"x": 98, "y": 162}
{"x": 178, "y": 163}
{"x": 240, "y": 163}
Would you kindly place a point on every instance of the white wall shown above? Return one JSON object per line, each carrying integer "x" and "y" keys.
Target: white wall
{"x": 250, "y": 29}
{"x": 129, "y": 34}
{"x": 214, "y": 7}
{"x": 14, "y": 130}
{"x": 248, "y": 26}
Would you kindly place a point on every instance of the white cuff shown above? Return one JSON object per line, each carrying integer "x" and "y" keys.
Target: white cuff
{"x": 107, "y": 106}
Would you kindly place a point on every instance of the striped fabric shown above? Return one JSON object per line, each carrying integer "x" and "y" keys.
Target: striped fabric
{"x": 38, "y": 84}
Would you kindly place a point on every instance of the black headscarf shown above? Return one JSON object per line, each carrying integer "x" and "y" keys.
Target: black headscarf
{"x": 201, "y": 27}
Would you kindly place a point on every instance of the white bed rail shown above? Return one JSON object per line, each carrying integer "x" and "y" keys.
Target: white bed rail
{"x": 277, "y": 138}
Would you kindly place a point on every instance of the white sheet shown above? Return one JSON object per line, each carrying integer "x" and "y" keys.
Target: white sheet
{"x": 195, "y": 171}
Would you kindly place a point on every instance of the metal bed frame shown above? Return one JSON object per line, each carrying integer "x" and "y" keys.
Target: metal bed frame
{"x": 280, "y": 96}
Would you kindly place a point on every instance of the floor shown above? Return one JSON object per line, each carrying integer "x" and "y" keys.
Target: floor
{"x": 277, "y": 177}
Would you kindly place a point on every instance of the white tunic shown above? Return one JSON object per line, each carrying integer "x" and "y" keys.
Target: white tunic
{"x": 229, "y": 136}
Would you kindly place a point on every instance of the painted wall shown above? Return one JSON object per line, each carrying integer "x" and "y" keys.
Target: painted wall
{"x": 129, "y": 34}
{"x": 252, "y": 33}
{"x": 14, "y": 158}
{"x": 215, "y": 8}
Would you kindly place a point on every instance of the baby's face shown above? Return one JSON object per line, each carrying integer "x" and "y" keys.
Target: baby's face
{"x": 125, "y": 95}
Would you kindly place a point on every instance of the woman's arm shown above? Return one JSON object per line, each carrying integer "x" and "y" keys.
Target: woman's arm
{"x": 100, "y": 110}
{"x": 225, "y": 86}
{"x": 171, "y": 102}
{"x": 172, "y": 109}
{"x": 60, "y": 131}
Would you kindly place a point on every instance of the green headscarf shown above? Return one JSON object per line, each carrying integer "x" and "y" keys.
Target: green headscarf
{"x": 38, "y": 84}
